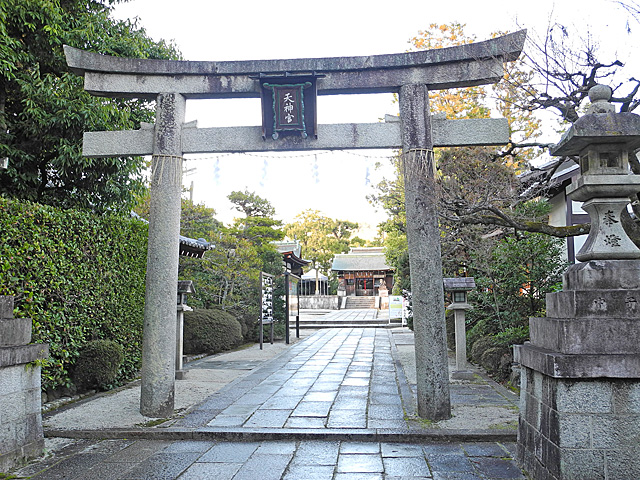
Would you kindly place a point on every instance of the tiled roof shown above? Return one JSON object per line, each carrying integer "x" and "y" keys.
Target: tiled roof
{"x": 359, "y": 262}
{"x": 459, "y": 283}
{"x": 289, "y": 246}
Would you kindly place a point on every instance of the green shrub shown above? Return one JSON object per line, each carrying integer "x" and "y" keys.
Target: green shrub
{"x": 513, "y": 336}
{"x": 98, "y": 364}
{"x": 480, "y": 346}
{"x": 79, "y": 277}
{"x": 248, "y": 319}
{"x": 497, "y": 362}
{"x": 210, "y": 331}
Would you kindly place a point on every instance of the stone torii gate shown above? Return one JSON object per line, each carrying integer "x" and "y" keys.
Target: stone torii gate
{"x": 411, "y": 75}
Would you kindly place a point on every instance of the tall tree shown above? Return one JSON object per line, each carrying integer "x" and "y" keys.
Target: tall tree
{"x": 44, "y": 109}
{"x": 320, "y": 237}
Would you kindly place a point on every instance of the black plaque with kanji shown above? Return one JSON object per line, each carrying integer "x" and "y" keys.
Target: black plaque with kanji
{"x": 288, "y": 107}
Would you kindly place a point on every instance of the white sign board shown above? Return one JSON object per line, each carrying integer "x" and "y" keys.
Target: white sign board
{"x": 396, "y": 307}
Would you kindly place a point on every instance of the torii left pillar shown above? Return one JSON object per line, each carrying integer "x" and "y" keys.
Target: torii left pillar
{"x": 423, "y": 236}
{"x": 158, "y": 347}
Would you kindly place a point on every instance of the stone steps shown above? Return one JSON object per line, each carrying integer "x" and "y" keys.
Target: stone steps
{"x": 360, "y": 302}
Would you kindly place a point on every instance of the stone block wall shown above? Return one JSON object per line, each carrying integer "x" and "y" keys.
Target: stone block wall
{"x": 579, "y": 429}
{"x": 320, "y": 302}
{"x": 21, "y": 436}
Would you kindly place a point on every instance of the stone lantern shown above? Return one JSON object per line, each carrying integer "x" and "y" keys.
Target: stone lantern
{"x": 185, "y": 287}
{"x": 603, "y": 141}
{"x": 580, "y": 375}
{"x": 459, "y": 287}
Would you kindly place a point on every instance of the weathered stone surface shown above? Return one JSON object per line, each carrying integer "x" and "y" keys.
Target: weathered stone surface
{"x": 508, "y": 47}
{"x": 603, "y": 275}
{"x": 464, "y": 65}
{"x": 423, "y": 235}
{"x": 626, "y": 396}
{"x": 586, "y": 349}
{"x": 466, "y": 132}
{"x": 587, "y": 335}
{"x": 440, "y": 76}
{"x": 6, "y": 306}
{"x": 558, "y": 365}
{"x": 577, "y": 427}
{"x": 158, "y": 351}
{"x": 594, "y": 304}
{"x": 21, "y": 434}
{"x": 23, "y": 354}
{"x": 607, "y": 239}
{"x": 589, "y": 129}
{"x": 15, "y": 331}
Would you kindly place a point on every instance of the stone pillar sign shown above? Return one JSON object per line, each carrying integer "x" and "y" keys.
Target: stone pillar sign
{"x": 580, "y": 383}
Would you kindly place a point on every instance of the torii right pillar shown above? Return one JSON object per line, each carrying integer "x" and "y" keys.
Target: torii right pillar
{"x": 580, "y": 376}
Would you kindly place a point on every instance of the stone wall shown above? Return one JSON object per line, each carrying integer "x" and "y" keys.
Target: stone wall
{"x": 320, "y": 302}
{"x": 590, "y": 428}
{"x": 21, "y": 436}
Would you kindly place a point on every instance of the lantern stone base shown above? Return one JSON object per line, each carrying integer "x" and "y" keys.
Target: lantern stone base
{"x": 580, "y": 377}
{"x": 462, "y": 375}
{"x": 579, "y": 429}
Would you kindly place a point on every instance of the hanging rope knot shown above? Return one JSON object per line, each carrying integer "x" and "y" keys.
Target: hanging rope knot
{"x": 422, "y": 160}
{"x": 166, "y": 170}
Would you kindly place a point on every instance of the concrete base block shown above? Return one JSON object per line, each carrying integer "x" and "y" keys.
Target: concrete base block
{"x": 578, "y": 429}
{"x": 462, "y": 375}
{"x": 559, "y": 365}
{"x": 21, "y": 455}
{"x": 181, "y": 374}
{"x": 591, "y": 336}
{"x": 21, "y": 435}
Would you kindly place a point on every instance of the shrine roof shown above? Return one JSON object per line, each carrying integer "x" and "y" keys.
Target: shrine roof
{"x": 359, "y": 262}
{"x": 461, "y": 284}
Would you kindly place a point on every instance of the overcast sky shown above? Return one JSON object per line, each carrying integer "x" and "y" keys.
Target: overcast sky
{"x": 335, "y": 183}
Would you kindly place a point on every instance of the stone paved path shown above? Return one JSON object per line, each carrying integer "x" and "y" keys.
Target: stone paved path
{"x": 288, "y": 460}
{"x": 336, "y": 379}
{"x": 333, "y": 406}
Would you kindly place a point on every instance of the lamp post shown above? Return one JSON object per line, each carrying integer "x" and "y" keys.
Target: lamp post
{"x": 459, "y": 288}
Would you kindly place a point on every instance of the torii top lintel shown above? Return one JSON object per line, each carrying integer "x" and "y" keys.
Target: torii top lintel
{"x": 461, "y": 66}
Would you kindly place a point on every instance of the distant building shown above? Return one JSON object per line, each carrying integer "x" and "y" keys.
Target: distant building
{"x": 292, "y": 260}
{"x": 362, "y": 272}
{"x": 557, "y": 175}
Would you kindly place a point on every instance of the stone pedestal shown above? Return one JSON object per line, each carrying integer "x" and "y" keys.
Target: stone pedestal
{"x": 580, "y": 375}
{"x": 580, "y": 383}
{"x": 21, "y": 436}
{"x": 462, "y": 371}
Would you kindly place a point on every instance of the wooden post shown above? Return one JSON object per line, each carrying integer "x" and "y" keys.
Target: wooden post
{"x": 423, "y": 236}
{"x": 158, "y": 347}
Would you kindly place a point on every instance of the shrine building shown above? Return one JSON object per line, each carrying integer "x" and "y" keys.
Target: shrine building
{"x": 362, "y": 272}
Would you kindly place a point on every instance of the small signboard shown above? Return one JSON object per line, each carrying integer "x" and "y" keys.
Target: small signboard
{"x": 266, "y": 303}
{"x": 289, "y": 105}
{"x": 396, "y": 307}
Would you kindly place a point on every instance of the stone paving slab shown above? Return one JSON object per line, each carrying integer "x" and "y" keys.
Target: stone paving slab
{"x": 289, "y": 460}
{"x": 341, "y": 375}
{"x": 337, "y": 405}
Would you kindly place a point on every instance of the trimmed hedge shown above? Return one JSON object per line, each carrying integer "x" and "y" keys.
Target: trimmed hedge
{"x": 210, "y": 331}
{"x": 98, "y": 365}
{"x": 79, "y": 277}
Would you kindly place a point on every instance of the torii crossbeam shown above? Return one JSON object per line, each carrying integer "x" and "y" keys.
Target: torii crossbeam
{"x": 410, "y": 75}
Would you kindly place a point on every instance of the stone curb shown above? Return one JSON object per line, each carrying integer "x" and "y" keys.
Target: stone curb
{"x": 267, "y": 434}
